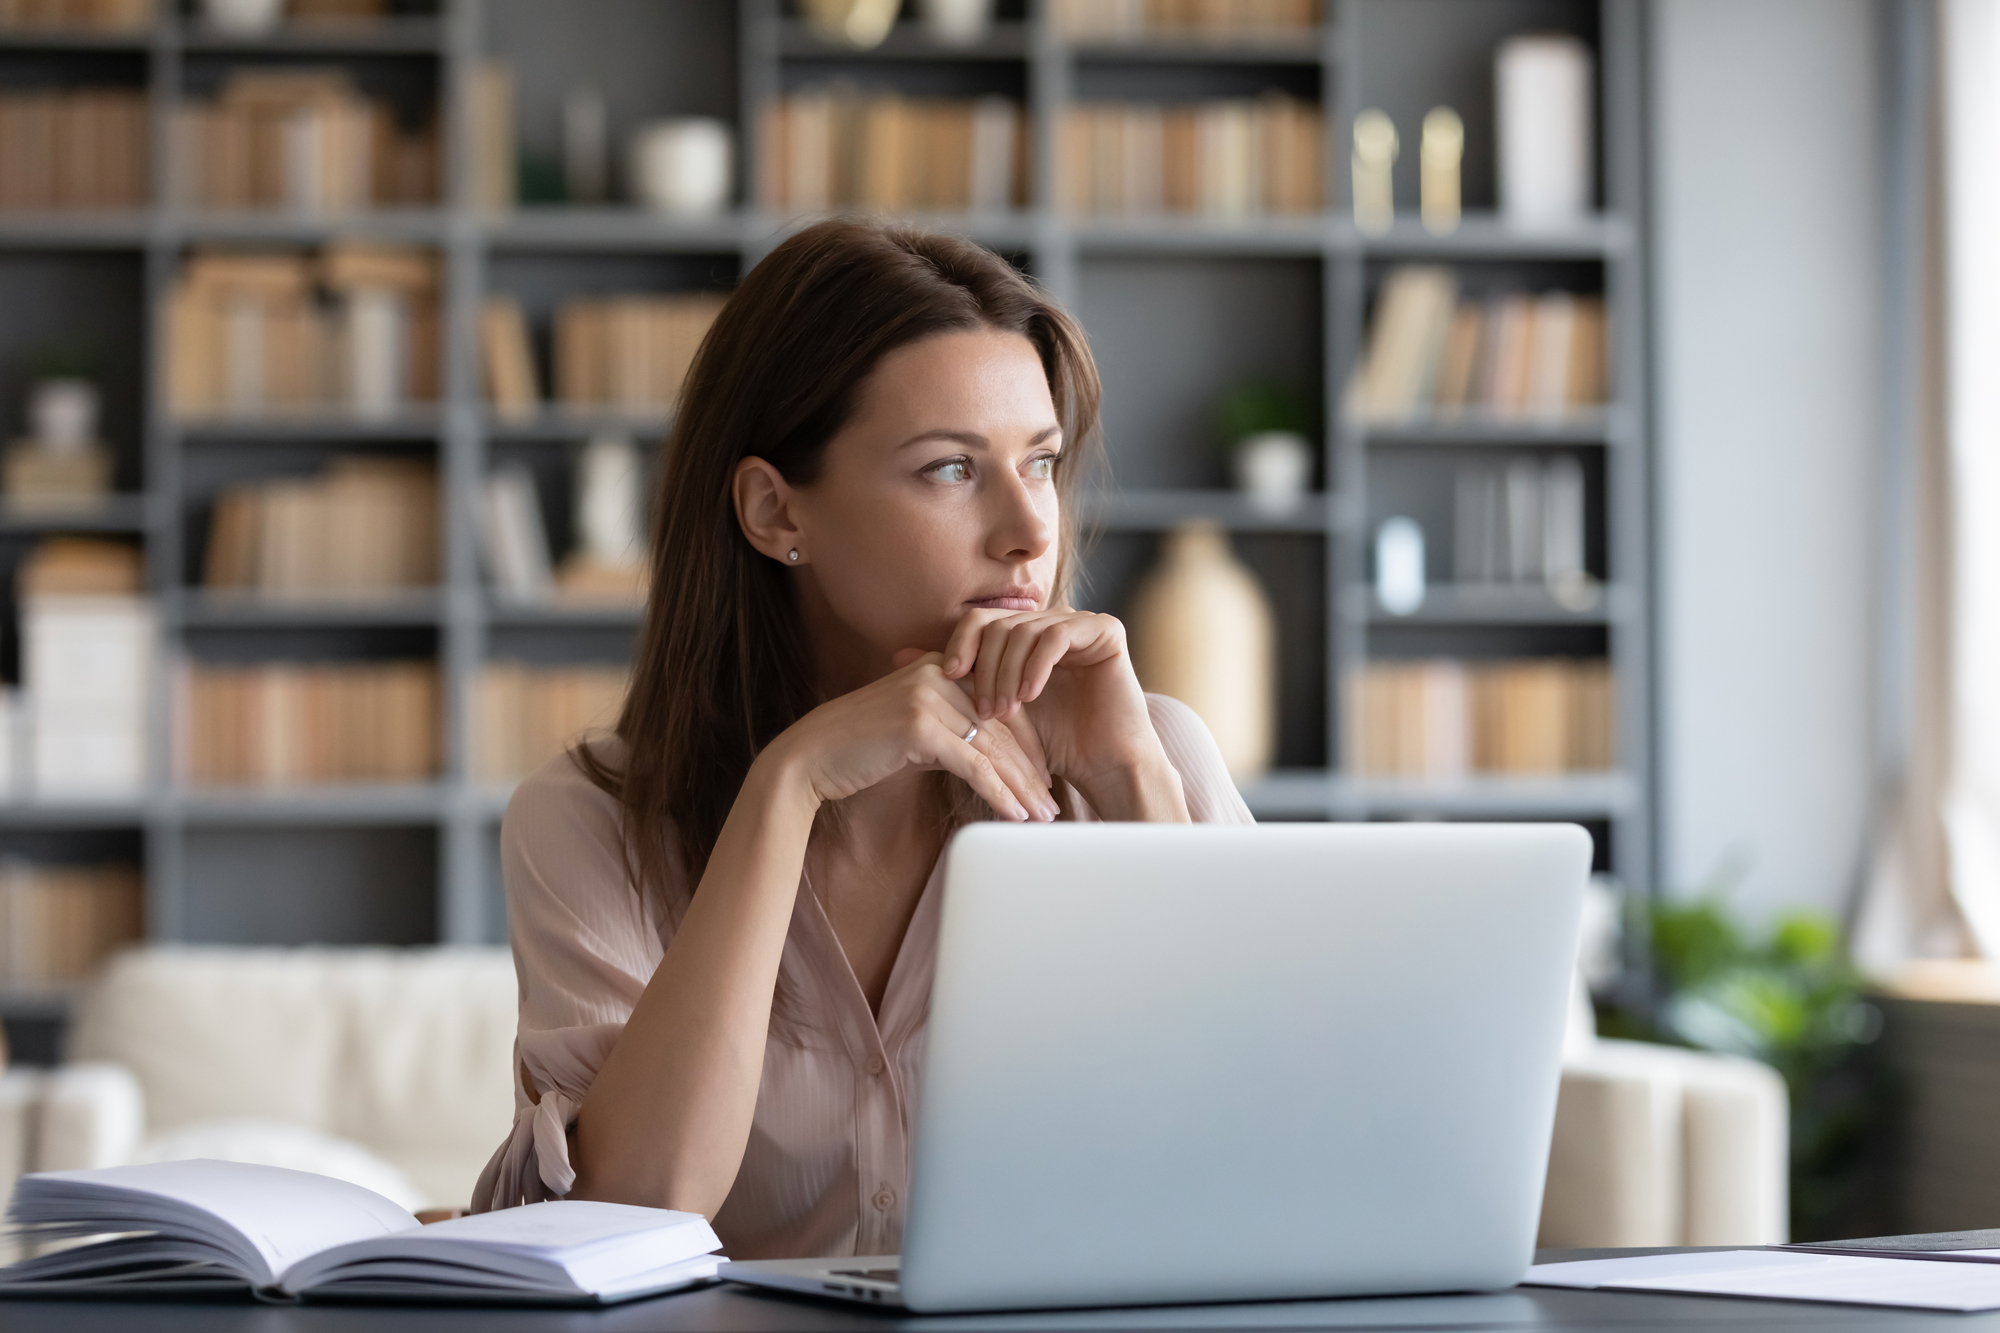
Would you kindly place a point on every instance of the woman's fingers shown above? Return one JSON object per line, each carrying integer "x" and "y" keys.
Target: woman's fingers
{"x": 959, "y": 756}
{"x": 1025, "y": 640}
{"x": 998, "y": 747}
{"x": 1022, "y": 774}
{"x": 1039, "y": 662}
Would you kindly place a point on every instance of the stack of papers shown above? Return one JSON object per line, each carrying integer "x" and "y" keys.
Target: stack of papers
{"x": 1960, "y": 1279}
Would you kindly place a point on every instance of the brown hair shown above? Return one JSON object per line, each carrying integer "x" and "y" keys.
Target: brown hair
{"x": 722, "y": 664}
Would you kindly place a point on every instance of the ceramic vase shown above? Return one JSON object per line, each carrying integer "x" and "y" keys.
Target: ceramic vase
{"x": 1202, "y": 631}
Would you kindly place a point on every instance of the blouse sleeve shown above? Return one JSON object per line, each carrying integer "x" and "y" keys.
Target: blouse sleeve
{"x": 1211, "y": 795}
{"x": 585, "y": 945}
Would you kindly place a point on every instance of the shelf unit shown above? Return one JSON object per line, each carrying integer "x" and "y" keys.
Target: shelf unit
{"x": 1175, "y": 306}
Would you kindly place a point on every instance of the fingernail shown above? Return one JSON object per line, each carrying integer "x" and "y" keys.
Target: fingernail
{"x": 1050, "y": 811}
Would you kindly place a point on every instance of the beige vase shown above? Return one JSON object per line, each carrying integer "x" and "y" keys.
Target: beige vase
{"x": 1202, "y": 631}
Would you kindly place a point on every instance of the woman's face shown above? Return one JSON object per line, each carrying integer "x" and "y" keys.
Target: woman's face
{"x": 936, "y": 498}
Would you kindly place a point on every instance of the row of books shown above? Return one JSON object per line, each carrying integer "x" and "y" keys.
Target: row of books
{"x": 526, "y": 715}
{"x": 839, "y": 147}
{"x": 354, "y": 328}
{"x": 1098, "y": 19}
{"x": 286, "y": 723}
{"x": 1230, "y": 158}
{"x": 1432, "y": 353}
{"x": 366, "y": 524}
{"x": 1442, "y": 719}
{"x": 73, "y": 148}
{"x": 75, "y": 15}
{"x": 302, "y": 139}
{"x": 624, "y": 353}
{"x": 58, "y": 922}
{"x": 1521, "y": 521}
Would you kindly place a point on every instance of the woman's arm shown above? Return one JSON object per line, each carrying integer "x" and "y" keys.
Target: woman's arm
{"x": 667, "y": 1119}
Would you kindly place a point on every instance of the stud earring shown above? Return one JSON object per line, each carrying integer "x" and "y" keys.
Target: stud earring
{"x": 794, "y": 556}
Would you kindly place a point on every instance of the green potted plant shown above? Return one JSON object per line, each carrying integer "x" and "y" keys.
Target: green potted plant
{"x": 1263, "y": 427}
{"x": 1787, "y": 996}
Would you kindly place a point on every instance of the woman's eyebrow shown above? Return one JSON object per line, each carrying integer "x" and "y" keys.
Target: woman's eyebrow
{"x": 973, "y": 439}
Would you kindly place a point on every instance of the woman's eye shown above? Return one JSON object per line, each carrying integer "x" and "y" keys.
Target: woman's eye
{"x": 956, "y": 469}
{"x": 1041, "y": 469}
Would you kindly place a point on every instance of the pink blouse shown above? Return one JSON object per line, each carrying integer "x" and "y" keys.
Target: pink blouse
{"x": 827, "y": 1166}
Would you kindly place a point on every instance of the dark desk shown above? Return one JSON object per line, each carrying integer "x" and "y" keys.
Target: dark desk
{"x": 730, "y": 1309}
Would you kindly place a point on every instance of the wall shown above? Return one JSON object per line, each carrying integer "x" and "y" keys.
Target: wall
{"x": 1766, "y": 123}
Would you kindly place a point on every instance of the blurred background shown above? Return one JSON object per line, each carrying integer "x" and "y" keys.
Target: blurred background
{"x": 1518, "y": 409}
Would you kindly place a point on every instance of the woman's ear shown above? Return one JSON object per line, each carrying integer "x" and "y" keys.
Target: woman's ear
{"x": 765, "y": 512}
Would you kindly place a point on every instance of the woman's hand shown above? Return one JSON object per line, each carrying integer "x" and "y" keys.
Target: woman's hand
{"x": 915, "y": 718}
{"x": 1062, "y": 682}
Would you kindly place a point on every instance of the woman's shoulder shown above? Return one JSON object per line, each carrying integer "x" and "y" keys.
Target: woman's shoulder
{"x": 560, "y": 802}
{"x": 1211, "y": 793}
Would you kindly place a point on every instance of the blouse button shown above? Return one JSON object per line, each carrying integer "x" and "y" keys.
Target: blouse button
{"x": 885, "y": 1199}
{"x": 875, "y": 1066}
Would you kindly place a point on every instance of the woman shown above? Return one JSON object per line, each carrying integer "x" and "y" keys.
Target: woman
{"x": 859, "y": 637}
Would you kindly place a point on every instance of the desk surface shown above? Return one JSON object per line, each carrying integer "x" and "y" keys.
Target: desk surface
{"x": 731, "y": 1309}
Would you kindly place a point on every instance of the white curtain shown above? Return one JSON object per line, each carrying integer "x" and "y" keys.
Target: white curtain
{"x": 1935, "y": 887}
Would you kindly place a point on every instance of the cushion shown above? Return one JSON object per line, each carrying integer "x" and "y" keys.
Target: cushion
{"x": 274, "y": 1143}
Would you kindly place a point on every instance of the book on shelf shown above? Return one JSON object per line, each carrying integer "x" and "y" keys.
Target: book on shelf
{"x": 58, "y": 922}
{"x": 206, "y": 1227}
{"x": 526, "y": 715}
{"x": 86, "y": 653}
{"x": 841, "y": 147}
{"x": 280, "y": 723}
{"x": 353, "y": 329}
{"x": 1232, "y": 158}
{"x": 608, "y": 566}
{"x": 73, "y": 148}
{"x": 1435, "y": 354}
{"x": 1523, "y": 521}
{"x": 1442, "y": 719}
{"x": 629, "y": 353}
{"x": 300, "y": 139}
{"x": 76, "y": 15}
{"x": 512, "y": 388}
{"x": 513, "y": 538}
{"x": 364, "y": 525}
{"x": 1216, "y": 19}
{"x": 489, "y": 113}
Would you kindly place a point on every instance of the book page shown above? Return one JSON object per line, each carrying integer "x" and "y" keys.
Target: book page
{"x": 279, "y": 1216}
{"x": 557, "y": 1245}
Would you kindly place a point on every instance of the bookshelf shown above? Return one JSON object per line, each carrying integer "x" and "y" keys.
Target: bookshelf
{"x": 1177, "y": 306}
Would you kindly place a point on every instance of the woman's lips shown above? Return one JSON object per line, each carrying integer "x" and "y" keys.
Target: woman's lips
{"x": 1014, "y": 603}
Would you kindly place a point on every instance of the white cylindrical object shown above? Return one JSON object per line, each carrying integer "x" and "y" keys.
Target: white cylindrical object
{"x": 62, "y": 415}
{"x": 1545, "y": 129}
{"x": 957, "y": 22}
{"x": 1399, "y": 566}
{"x": 1273, "y": 468}
{"x": 682, "y": 166}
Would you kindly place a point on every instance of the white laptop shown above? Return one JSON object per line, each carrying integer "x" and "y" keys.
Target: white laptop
{"x": 1176, "y": 1063}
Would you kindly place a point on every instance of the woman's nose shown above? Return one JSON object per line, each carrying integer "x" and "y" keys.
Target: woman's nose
{"x": 1020, "y": 529}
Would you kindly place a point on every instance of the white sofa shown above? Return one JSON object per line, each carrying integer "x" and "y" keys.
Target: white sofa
{"x": 395, "y": 1066}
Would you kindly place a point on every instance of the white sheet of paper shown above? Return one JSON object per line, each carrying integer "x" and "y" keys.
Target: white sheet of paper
{"x": 1789, "y": 1276}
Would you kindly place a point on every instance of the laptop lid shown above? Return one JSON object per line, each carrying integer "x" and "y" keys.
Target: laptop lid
{"x": 1205, "y": 1063}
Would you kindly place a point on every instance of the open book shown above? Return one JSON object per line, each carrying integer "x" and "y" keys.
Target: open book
{"x": 170, "y": 1227}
